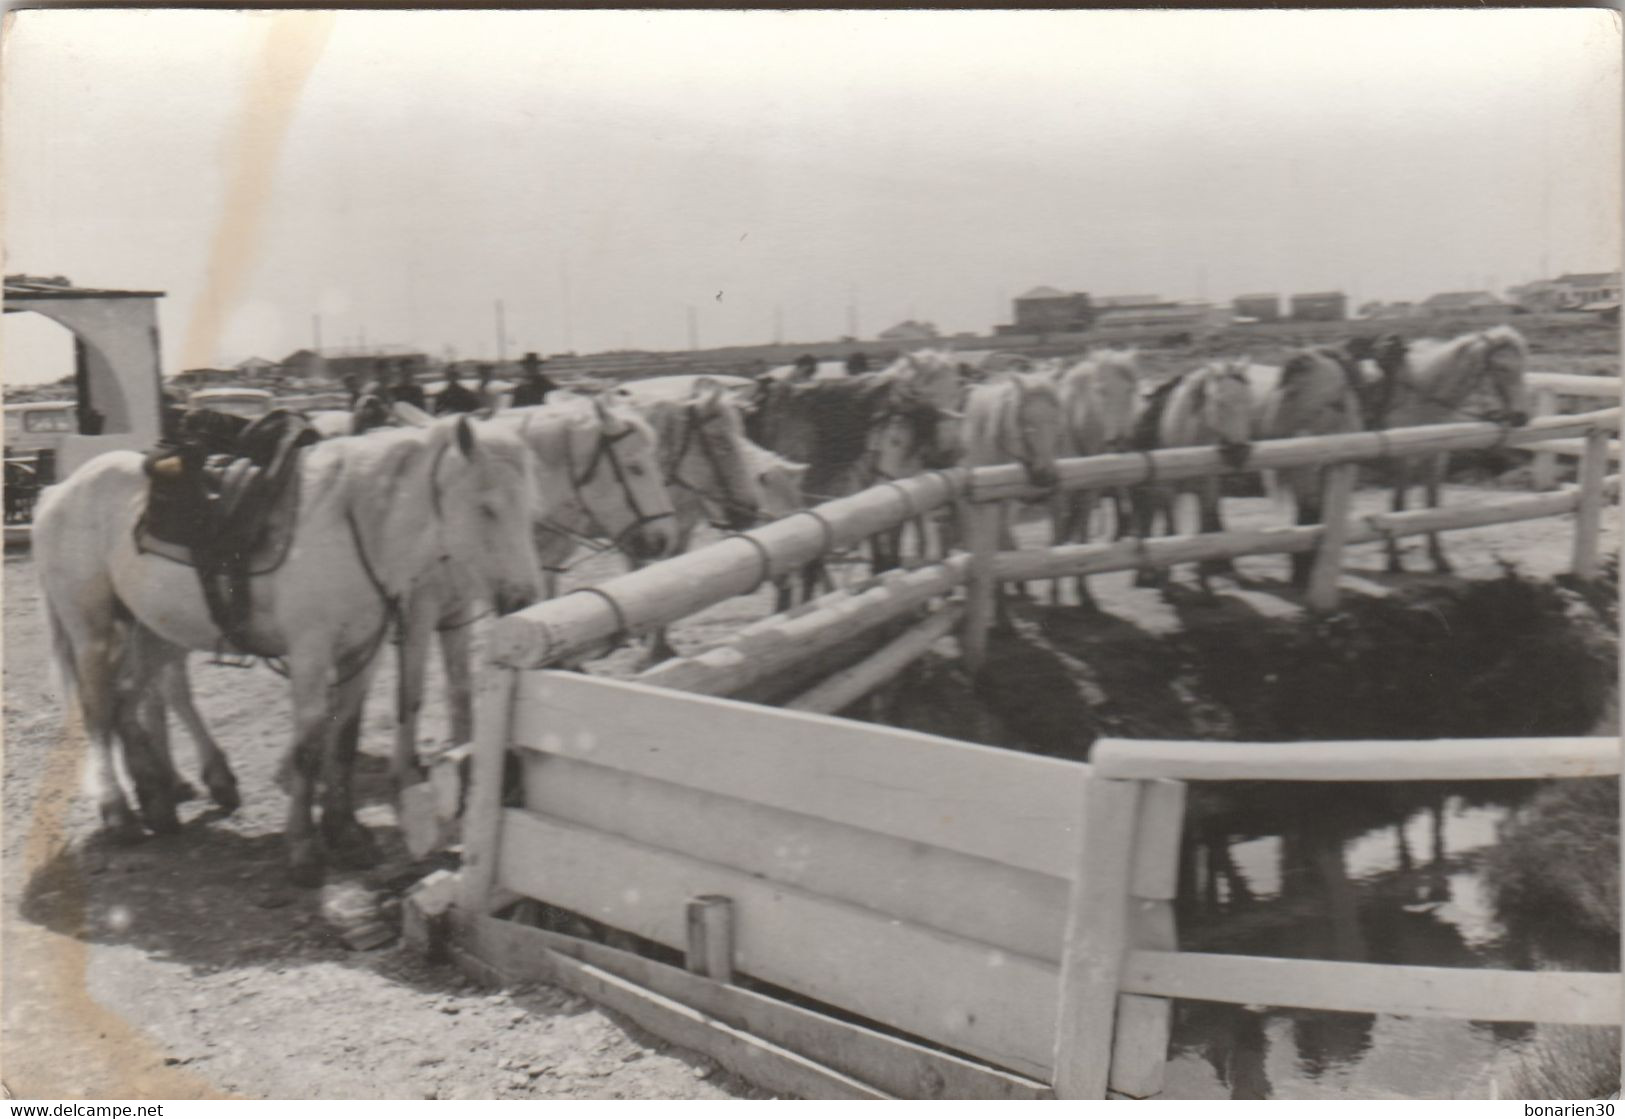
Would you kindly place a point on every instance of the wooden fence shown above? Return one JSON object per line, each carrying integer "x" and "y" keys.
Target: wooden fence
{"x": 582, "y": 622}
{"x": 1552, "y": 392}
{"x": 864, "y": 911}
{"x": 941, "y": 919}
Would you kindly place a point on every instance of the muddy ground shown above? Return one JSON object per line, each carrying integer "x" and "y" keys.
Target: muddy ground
{"x": 185, "y": 967}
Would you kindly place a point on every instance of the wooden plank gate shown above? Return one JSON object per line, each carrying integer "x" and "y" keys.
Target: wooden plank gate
{"x": 984, "y": 923}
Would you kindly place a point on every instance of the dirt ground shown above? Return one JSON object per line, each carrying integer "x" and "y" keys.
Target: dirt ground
{"x": 185, "y": 967}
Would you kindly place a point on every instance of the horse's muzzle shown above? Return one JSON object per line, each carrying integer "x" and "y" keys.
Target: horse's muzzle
{"x": 508, "y": 600}
{"x": 1235, "y": 455}
{"x": 649, "y": 543}
{"x": 1042, "y": 475}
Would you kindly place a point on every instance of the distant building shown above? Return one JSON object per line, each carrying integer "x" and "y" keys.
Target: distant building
{"x": 1399, "y": 309}
{"x": 909, "y": 331}
{"x": 335, "y": 362}
{"x": 1320, "y": 306}
{"x": 1046, "y": 310}
{"x": 1582, "y": 288}
{"x": 1130, "y": 301}
{"x": 1259, "y": 308}
{"x": 252, "y": 365}
{"x": 1465, "y": 304}
{"x": 1572, "y": 291}
{"x": 1172, "y": 316}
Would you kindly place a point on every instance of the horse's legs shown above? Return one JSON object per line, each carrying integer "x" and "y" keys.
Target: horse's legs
{"x": 1434, "y": 476}
{"x": 346, "y": 839}
{"x": 211, "y": 760}
{"x": 457, "y": 655}
{"x": 1402, "y": 470}
{"x": 140, "y": 720}
{"x": 1212, "y": 520}
{"x": 1001, "y": 603}
{"x": 311, "y": 738}
{"x": 423, "y": 610}
{"x": 1306, "y": 496}
{"x": 1144, "y": 501}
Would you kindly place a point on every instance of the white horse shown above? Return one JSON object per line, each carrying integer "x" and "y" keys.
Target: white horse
{"x": 1478, "y": 376}
{"x": 1015, "y": 419}
{"x": 376, "y": 515}
{"x": 597, "y": 478}
{"x": 1098, "y": 396}
{"x": 1208, "y": 406}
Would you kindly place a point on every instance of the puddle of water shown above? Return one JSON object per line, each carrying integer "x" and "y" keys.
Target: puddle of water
{"x": 1343, "y": 882}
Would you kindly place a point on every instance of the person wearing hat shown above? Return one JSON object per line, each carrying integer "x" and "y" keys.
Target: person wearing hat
{"x": 407, "y": 390}
{"x": 455, "y": 397}
{"x": 534, "y": 385}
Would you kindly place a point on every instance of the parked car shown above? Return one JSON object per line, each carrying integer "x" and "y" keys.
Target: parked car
{"x": 35, "y": 433}
{"x": 251, "y": 404}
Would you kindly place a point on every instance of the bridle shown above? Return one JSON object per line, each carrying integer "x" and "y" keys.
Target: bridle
{"x": 604, "y": 452}
{"x": 694, "y": 430}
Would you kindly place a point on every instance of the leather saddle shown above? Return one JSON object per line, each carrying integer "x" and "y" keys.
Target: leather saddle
{"x": 223, "y": 496}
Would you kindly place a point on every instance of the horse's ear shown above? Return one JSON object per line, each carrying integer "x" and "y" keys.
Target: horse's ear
{"x": 605, "y": 416}
{"x": 466, "y": 441}
{"x": 411, "y": 415}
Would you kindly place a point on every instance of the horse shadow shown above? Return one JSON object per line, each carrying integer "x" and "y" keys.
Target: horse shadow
{"x": 214, "y": 899}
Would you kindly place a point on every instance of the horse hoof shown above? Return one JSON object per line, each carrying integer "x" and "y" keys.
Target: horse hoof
{"x": 121, "y": 827}
{"x": 225, "y": 794}
{"x": 353, "y": 847}
{"x": 184, "y": 791}
{"x": 307, "y": 875}
{"x": 161, "y": 819}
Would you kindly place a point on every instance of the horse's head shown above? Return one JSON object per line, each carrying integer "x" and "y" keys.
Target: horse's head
{"x": 614, "y": 472}
{"x": 1222, "y": 397}
{"x": 1040, "y": 427}
{"x": 1114, "y": 389}
{"x": 779, "y": 480}
{"x": 484, "y": 491}
{"x": 1504, "y": 354}
{"x": 923, "y": 419}
{"x": 711, "y": 460}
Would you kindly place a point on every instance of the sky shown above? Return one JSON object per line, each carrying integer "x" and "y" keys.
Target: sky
{"x": 612, "y": 177}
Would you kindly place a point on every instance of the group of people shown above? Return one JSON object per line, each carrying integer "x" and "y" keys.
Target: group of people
{"x": 395, "y": 383}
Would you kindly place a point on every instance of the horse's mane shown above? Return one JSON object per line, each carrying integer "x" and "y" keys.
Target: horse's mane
{"x": 1148, "y": 423}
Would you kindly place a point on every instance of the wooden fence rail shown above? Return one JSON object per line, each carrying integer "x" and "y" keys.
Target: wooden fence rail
{"x": 581, "y": 622}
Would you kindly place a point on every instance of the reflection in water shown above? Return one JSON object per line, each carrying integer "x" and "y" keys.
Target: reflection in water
{"x": 1349, "y": 873}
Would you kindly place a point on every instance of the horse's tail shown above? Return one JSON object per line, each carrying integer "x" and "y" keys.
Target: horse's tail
{"x": 63, "y": 655}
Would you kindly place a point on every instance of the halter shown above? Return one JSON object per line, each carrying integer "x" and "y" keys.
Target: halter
{"x": 695, "y": 429}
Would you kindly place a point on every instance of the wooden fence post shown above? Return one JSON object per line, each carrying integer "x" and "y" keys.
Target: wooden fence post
{"x": 1588, "y": 515}
{"x": 1337, "y": 495}
{"x": 1140, "y": 1044}
{"x": 981, "y": 532}
{"x": 482, "y": 826}
{"x": 711, "y": 938}
{"x": 1544, "y": 467}
{"x": 1096, "y": 940}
